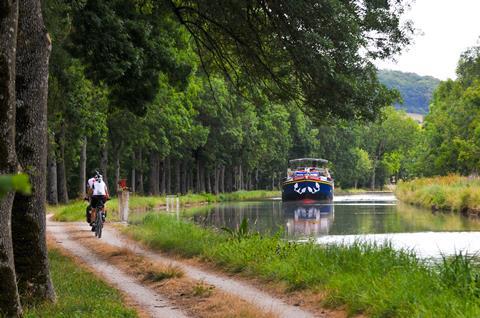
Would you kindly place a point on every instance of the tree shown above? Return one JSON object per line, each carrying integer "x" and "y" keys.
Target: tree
{"x": 317, "y": 52}
{"x": 362, "y": 165}
{"x": 28, "y": 217}
{"x": 126, "y": 46}
{"x": 468, "y": 68}
{"x": 9, "y": 299}
{"x": 452, "y": 130}
{"x": 392, "y": 132}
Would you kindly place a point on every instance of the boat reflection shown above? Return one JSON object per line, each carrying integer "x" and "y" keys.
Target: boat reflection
{"x": 308, "y": 219}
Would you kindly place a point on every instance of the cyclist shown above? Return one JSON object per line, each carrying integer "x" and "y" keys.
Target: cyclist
{"x": 99, "y": 197}
{"x": 88, "y": 198}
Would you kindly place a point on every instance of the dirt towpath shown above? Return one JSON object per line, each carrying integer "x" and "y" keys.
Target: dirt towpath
{"x": 231, "y": 286}
{"x": 151, "y": 302}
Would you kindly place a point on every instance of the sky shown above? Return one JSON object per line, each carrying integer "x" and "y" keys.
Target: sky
{"x": 446, "y": 29}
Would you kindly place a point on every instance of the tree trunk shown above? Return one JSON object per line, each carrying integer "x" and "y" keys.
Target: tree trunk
{"x": 373, "y": 173}
{"x": 216, "y": 177}
{"x": 202, "y": 178}
{"x": 222, "y": 179}
{"x": 104, "y": 163}
{"x": 235, "y": 178}
{"x": 28, "y": 217}
{"x": 177, "y": 177}
{"x": 168, "y": 171}
{"x": 208, "y": 175}
{"x": 83, "y": 169}
{"x": 153, "y": 178}
{"x": 229, "y": 180}
{"x": 9, "y": 300}
{"x": 190, "y": 179}
{"x": 133, "y": 182}
{"x": 184, "y": 184}
{"x": 163, "y": 177}
{"x": 240, "y": 178}
{"x": 117, "y": 171}
{"x": 61, "y": 171}
{"x": 52, "y": 190}
{"x": 198, "y": 181}
{"x": 140, "y": 177}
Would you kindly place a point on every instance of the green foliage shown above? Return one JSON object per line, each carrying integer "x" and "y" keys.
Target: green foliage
{"x": 302, "y": 50}
{"x": 79, "y": 293}
{"x": 128, "y": 79}
{"x": 362, "y": 166}
{"x": 18, "y": 182}
{"x": 468, "y": 68}
{"x": 358, "y": 149}
{"x": 127, "y": 48}
{"x": 462, "y": 273}
{"x": 451, "y": 138}
{"x": 367, "y": 279}
{"x": 241, "y": 232}
{"x": 415, "y": 90}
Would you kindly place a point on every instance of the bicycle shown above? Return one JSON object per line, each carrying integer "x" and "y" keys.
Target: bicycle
{"x": 99, "y": 220}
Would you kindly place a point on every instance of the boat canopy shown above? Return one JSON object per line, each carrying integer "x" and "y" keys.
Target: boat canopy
{"x": 305, "y": 160}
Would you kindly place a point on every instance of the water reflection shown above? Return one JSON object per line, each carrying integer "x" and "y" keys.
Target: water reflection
{"x": 265, "y": 217}
{"x": 341, "y": 218}
{"x": 347, "y": 220}
{"x": 308, "y": 220}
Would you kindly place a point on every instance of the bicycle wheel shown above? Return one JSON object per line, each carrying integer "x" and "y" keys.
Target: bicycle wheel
{"x": 99, "y": 224}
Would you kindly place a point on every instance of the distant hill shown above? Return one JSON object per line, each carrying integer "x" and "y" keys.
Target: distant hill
{"x": 416, "y": 90}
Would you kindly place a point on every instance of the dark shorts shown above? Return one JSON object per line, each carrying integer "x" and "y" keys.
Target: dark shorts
{"x": 97, "y": 201}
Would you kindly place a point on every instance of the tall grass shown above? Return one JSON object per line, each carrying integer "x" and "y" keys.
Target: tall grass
{"x": 453, "y": 193}
{"x": 79, "y": 293}
{"x": 375, "y": 280}
{"x": 75, "y": 210}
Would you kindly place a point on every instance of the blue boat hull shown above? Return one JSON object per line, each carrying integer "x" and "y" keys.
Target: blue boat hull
{"x": 307, "y": 190}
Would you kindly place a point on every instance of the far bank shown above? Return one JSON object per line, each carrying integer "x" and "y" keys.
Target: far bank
{"x": 452, "y": 193}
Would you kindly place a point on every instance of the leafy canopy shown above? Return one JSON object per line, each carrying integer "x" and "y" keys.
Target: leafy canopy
{"x": 318, "y": 53}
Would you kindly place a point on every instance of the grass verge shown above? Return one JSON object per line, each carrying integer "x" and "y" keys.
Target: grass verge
{"x": 374, "y": 280}
{"x": 453, "y": 193}
{"x": 75, "y": 210}
{"x": 79, "y": 293}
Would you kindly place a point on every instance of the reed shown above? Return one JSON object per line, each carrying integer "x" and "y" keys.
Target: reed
{"x": 451, "y": 193}
{"x": 375, "y": 280}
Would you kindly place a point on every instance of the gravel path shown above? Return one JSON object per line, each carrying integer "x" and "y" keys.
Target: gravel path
{"x": 153, "y": 303}
{"x": 229, "y": 285}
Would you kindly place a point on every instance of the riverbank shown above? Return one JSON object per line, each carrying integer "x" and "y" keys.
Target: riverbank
{"x": 353, "y": 191}
{"x": 75, "y": 210}
{"x": 79, "y": 293}
{"x": 364, "y": 279}
{"x": 449, "y": 193}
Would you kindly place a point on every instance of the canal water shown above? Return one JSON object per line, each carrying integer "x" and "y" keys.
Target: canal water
{"x": 374, "y": 218}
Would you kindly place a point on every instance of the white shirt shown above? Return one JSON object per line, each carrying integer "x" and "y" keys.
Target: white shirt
{"x": 99, "y": 188}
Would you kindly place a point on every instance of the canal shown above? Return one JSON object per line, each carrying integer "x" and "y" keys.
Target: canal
{"x": 373, "y": 218}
